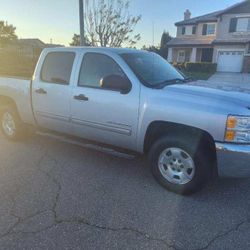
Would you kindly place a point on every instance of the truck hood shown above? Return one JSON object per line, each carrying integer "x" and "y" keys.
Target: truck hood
{"x": 231, "y": 99}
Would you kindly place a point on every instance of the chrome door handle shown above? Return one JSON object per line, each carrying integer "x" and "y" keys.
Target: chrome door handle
{"x": 41, "y": 91}
{"x": 81, "y": 97}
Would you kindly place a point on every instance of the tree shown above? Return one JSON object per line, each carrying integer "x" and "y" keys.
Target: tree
{"x": 161, "y": 49}
{"x": 165, "y": 38}
{"x": 152, "y": 49}
{"x": 7, "y": 33}
{"x": 109, "y": 24}
{"x": 76, "y": 41}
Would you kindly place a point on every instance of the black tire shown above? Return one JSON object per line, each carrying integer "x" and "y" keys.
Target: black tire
{"x": 19, "y": 131}
{"x": 201, "y": 162}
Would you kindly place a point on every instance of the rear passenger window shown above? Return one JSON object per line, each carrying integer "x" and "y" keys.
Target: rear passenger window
{"x": 57, "y": 67}
{"x": 95, "y": 67}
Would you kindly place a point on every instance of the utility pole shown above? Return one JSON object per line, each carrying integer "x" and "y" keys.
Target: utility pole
{"x": 81, "y": 19}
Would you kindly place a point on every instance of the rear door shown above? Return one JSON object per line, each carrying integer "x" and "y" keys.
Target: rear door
{"x": 52, "y": 89}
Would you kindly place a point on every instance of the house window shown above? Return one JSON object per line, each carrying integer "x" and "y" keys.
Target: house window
{"x": 208, "y": 29}
{"x": 183, "y": 31}
{"x": 239, "y": 24}
{"x": 243, "y": 25}
{"x": 188, "y": 30}
{"x": 194, "y": 30}
{"x": 181, "y": 56}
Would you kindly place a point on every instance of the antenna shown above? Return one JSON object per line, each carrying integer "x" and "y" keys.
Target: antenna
{"x": 153, "y": 33}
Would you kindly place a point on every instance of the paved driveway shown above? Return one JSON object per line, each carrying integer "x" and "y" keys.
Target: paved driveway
{"x": 237, "y": 80}
{"x": 55, "y": 195}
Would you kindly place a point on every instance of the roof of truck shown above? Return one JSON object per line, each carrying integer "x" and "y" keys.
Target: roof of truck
{"x": 98, "y": 49}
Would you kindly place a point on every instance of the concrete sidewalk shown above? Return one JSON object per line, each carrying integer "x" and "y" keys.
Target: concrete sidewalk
{"x": 238, "y": 80}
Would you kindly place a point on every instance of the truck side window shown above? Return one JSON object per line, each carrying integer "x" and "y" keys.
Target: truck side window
{"x": 96, "y": 66}
{"x": 57, "y": 67}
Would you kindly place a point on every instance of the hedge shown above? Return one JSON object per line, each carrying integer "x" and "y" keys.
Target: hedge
{"x": 201, "y": 67}
{"x": 197, "y": 67}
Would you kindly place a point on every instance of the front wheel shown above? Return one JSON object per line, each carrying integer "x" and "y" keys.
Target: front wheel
{"x": 179, "y": 165}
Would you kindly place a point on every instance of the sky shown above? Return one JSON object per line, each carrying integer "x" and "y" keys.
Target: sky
{"x": 58, "y": 19}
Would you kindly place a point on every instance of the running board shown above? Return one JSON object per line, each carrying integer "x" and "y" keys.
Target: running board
{"x": 91, "y": 146}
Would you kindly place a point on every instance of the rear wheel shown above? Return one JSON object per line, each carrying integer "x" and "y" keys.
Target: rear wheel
{"x": 11, "y": 124}
{"x": 179, "y": 165}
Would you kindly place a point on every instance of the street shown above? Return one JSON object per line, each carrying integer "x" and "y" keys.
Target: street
{"x": 55, "y": 195}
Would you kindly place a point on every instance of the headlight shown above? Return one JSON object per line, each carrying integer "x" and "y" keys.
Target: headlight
{"x": 238, "y": 129}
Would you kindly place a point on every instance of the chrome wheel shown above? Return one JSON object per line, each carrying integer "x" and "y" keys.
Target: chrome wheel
{"x": 176, "y": 166}
{"x": 8, "y": 124}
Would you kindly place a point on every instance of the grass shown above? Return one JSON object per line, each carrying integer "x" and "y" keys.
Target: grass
{"x": 198, "y": 75}
{"x": 12, "y": 64}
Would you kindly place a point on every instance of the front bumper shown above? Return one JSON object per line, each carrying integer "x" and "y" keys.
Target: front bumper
{"x": 233, "y": 160}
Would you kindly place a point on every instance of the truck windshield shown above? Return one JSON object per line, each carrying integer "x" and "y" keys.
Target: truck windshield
{"x": 152, "y": 70}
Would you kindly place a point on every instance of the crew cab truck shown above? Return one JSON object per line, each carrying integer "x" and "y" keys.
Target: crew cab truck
{"x": 137, "y": 101}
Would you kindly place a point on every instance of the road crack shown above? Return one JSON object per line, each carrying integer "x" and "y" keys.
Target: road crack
{"x": 79, "y": 221}
{"x": 221, "y": 235}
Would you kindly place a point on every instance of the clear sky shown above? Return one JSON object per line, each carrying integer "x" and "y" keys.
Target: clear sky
{"x": 58, "y": 19}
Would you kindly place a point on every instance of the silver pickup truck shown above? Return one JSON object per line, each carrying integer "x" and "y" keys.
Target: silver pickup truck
{"x": 137, "y": 101}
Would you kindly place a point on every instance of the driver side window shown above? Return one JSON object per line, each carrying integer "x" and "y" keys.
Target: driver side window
{"x": 95, "y": 67}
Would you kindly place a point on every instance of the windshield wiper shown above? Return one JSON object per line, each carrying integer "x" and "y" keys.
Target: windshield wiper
{"x": 168, "y": 82}
{"x": 173, "y": 81}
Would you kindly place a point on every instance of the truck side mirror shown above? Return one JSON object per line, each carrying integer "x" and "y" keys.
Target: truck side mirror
{"x": 116, "y": 83}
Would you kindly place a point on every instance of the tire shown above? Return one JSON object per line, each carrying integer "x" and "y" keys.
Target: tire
{"x": 179, "y": 164}
{"x": 11, "y": 124}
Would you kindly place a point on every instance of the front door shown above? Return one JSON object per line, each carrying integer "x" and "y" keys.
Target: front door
{"x": 51, "y": 92}
{"x": 104, "y": 115}
{"x": 207, "y": 55}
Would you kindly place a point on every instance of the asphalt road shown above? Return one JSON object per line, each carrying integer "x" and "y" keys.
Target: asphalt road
{"x": 56, "y": 195}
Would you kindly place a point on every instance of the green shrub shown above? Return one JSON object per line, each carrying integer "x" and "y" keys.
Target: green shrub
{"x": 201, "y": 67}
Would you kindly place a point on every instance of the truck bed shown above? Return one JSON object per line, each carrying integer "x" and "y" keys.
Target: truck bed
{"x": 18, "y": 89}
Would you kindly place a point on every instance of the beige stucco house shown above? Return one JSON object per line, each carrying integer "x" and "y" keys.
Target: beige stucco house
{"x": 221, "y": 37}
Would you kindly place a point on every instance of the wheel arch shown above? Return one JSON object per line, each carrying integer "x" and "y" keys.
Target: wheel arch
{"x": 6, "y": 100}
{"x": 157, "y": 129}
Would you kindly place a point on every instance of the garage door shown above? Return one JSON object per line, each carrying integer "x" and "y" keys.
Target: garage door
{"x": 230, "y": 61}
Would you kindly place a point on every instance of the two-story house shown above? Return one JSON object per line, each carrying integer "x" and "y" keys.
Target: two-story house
{"x": 221, "y": 37}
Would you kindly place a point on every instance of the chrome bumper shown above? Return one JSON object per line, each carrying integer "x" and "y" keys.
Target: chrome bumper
{"x": 233, "y": 160}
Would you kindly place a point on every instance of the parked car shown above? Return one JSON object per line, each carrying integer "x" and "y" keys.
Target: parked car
{"x": 133, "y": 100}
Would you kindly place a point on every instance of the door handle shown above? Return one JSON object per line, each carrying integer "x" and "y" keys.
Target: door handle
{"x": 41, "y": 91}
{"x": 81, "y": 97}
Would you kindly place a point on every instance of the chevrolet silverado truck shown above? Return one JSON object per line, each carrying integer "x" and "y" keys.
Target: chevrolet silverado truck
{"x": 134, "y": 100}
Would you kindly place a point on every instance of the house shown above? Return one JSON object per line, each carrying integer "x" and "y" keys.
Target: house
{"x": 25, "y": 47}
{"x": 29, "y": 47}
{"x": 221, "y": 37}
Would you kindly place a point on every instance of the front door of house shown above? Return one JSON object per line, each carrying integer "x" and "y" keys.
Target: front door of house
{"x": 207, "y": 55}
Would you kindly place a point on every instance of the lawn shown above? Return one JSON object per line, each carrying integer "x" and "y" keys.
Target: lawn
{"x": 13, "y": 64}
{"x": 198, "y": 75}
